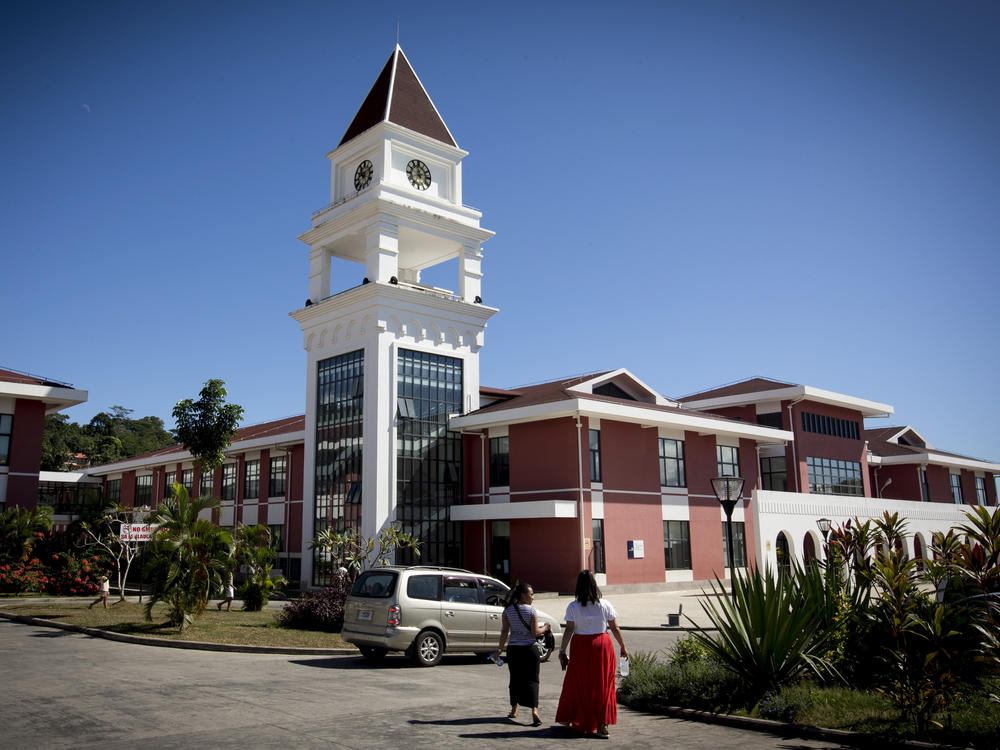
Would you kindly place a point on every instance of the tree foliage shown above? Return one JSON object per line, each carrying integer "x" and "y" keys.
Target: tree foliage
{"x": 357, "y": 552}
{"x": 109, "y": 436}
{"x": 206, "y": 426}
{"x": 256, "y": 554}
{"x": 104, "y": 534}
{"x": 190, "y": 557}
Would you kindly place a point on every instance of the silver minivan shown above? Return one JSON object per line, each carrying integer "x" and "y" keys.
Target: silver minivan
{"x": 426, "y": 611}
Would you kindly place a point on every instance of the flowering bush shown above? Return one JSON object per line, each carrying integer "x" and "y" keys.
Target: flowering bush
{"x": 61, "y": 574}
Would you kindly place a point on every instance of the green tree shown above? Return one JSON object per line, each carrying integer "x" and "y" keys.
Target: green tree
{"x": 190, "y": 557}
{"x": 255, "y": 553}
{"x": 206, "y": 426}
{"x": 20, "y": 529}
{"x": 357, "y": 552}
{"x": 104, "y": 533}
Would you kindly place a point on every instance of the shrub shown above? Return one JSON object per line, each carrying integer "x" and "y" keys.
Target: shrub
{"x": 703, "y": 685}
{"x": 318, "y": 610}
{"x": 688, "y": 649}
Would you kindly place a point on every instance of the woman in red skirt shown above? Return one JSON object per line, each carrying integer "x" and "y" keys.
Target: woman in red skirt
{"x": 588, "y": 702}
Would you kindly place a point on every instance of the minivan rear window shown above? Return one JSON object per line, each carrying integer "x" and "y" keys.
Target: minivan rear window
{"x": 375, "y": 584}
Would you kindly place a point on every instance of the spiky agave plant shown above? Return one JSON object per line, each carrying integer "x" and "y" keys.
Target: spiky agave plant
{"x": 774, "y": 631}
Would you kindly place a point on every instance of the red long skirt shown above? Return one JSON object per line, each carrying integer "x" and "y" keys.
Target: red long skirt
{"x": 588, "y": 697}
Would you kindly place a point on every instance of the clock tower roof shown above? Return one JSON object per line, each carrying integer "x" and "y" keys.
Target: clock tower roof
{"x": 397, "y": 96}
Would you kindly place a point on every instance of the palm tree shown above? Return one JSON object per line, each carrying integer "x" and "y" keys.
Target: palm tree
{"x": 19, "y": 529}
{"x": 190, "y": 557}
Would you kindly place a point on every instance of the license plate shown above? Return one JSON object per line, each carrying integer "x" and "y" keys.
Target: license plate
{"x": 364, "y": 614}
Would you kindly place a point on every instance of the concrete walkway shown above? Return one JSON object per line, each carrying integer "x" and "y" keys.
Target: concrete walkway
{"x": 647, "y": 610}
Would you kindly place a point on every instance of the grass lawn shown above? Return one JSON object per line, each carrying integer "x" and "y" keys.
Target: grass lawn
{"x": 234, "y": 627}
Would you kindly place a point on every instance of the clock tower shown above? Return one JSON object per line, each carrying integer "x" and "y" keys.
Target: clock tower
{"x": 390, "y": 358}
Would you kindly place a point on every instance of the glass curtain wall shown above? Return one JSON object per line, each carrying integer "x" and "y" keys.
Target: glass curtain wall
{"x": 339, "y": 450}
{"x": 429, "y": 455}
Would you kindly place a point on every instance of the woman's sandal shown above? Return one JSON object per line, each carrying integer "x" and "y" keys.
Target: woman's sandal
{"x": 536, "y": 721}
{"x": 512, "y": 715}
{"x": 602, "y": 731}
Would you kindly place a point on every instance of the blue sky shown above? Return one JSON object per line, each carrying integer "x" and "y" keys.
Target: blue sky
{"x": 700, "y": 192}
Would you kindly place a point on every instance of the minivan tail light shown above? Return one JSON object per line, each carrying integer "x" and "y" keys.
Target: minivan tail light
{"x": 394, "y": 615}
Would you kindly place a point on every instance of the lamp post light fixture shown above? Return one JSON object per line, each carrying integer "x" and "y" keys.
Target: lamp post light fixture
{"x": 728, "y": 491}
{"x": 824, "y": 527}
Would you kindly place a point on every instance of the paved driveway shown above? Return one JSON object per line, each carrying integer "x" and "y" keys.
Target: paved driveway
{"x": 66, "y": 690}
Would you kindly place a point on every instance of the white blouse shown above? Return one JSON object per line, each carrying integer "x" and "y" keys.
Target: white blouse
{"x": 592, "y": 619}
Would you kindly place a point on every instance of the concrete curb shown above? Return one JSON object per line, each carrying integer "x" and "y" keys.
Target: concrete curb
{"x": 163, "y": 643}
{"x": 752, "y": 723}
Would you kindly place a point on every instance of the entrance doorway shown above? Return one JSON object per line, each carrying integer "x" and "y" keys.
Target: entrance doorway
{"x": 500, "y": 550}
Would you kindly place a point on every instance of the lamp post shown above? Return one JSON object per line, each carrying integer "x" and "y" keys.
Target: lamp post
{"x": 824, "y": 527}
{"x": 728, "y": 491}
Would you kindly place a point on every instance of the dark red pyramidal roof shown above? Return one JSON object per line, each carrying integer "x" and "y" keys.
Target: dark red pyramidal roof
{"x": 397, "y": 96}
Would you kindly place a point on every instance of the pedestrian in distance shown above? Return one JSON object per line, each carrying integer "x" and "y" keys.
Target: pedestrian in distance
{"x": 518, "y": 629}
{"x": 588, "y": 702}
{"x": 105, "y": 590}
{"x": 228, "y": 593}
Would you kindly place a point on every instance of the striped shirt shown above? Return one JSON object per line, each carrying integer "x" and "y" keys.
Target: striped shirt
{"x": 520, "y": 634}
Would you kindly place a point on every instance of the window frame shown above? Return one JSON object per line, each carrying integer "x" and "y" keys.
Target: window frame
{"x": 499, "y": 461}
{"x": 724, "y": 463}
{"x": 683, "y": 538}
{"x": 594, "y": 443}
{"x": 677, "y": 460}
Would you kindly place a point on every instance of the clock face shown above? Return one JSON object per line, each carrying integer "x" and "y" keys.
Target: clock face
{"x": 419, "y": 174}
{"x": 363, "y": 175}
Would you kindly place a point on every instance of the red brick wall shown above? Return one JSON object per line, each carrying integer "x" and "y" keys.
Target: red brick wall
{"x": 939, "y": 482}
{"x": 631, "y": 478}
{"x": 25, "y": 455}
{"x": 905, "y": 482}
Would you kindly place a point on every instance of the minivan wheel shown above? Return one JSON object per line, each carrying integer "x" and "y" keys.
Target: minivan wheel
{"x": 428, "y": 649}
{"x": 373, "y": 653}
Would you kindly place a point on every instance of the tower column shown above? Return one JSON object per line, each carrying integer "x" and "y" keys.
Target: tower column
{"x": 382, "y": 251}
{"x": 470, "y": 281}
{"x": 319, "y": 273}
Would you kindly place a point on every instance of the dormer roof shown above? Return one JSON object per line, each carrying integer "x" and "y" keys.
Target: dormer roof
{"x": 397, "y": 96}
{"x": 764, "y": 390}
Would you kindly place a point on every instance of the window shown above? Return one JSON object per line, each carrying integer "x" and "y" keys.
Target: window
{"x": 187, "y": 479}
{"x": 739, "y": 544}
{"x": 728, "y": 460}
{"x": 207, "y": 482}
{"x": 830, "y": 476}
{"x": 773, "y": 474}
{"x": 429, "y": 456}
{"x": 925, "y": 488}
{"x": 672, "y": 463}
{"x": 595, "y": 455}
{"x": 956, "y": 488}
{"x": 251, "y": 479}
{"x": 143, "y": 490}
{"x": 494, "y": 592}
{"x": 113, "y": 490}
{"x": 279, "y": 475}
{"x": 6, "y": 430}
{"x": 277, "y": 535}
{"x": 980, "y": 490}
{"x": 424, "y": 587}
{"x": 168, "y": 481}
{"x": 771, "y": 419}
{"x": 339, "y": 448}
{"x": 597, "y": 534}
{"x": 500, "y": 462}
{"x": 228, "y": 482}
{"x": 822, "y": 425}
{"x": 677, "y": 545}
{"x": 610, "y": 389}
{"x": 461, "y": 590}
